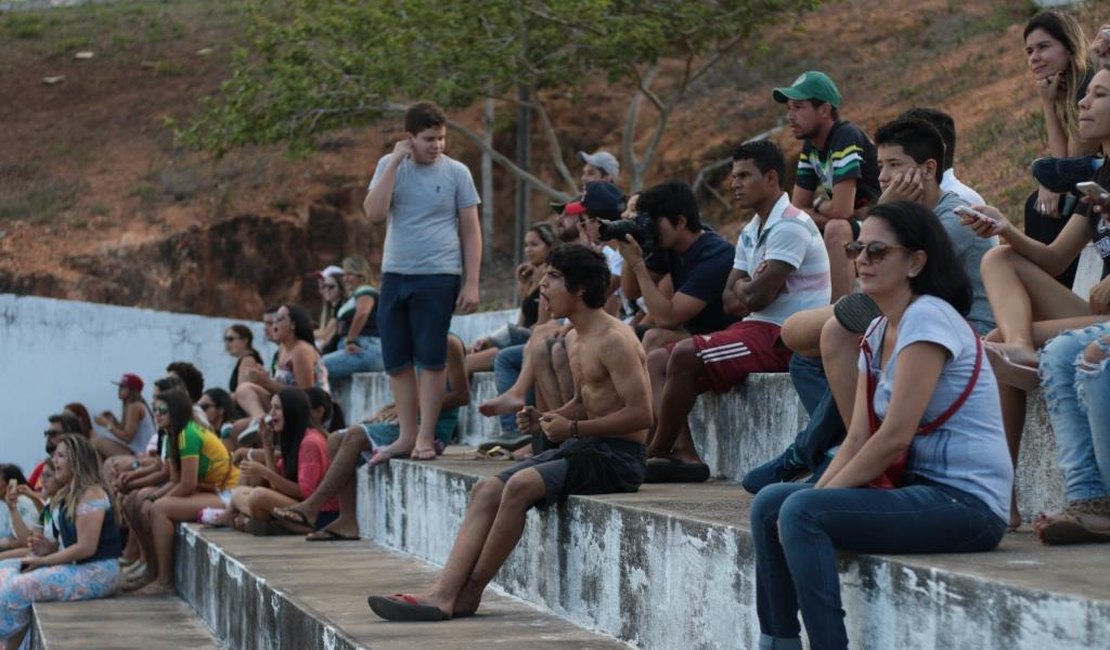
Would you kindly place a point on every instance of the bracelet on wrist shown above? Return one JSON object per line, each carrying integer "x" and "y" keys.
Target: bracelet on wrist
{"x": 574, "y": 428}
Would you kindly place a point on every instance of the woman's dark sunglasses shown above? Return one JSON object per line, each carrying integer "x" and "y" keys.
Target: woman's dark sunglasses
{"x": 876, "y": 250}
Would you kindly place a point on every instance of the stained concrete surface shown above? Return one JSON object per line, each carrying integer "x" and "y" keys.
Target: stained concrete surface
{"x": 331, "y": 581}
{"x": 1020, "y": 560}
{"x": 124, "y": 623}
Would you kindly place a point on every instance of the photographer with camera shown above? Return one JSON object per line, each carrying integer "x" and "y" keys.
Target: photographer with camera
{"x": 780, "y": 267}
{"x": 677, "y": 265}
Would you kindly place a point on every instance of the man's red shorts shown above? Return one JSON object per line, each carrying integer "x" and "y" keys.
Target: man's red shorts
{"x": 745, "y": 347}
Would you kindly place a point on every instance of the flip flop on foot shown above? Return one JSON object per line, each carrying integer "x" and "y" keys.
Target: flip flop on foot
{"x": 673, "y": 470}
{"x": 423, "y": 454}
{"x": 403, "y": 607}
{"x": 290, "y": 516}
{"x": 1008, "y": 370}
{"x": 506, "y": 442}
{"x": 329, "y": 535}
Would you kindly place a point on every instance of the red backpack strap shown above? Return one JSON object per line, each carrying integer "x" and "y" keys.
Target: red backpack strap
{"x": 872, "y": 419}
{"x": 951, "y": 410}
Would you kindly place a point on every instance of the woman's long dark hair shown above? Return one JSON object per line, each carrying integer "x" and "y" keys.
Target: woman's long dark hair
{"x": 918, "y": 229}
{"x": 245, "y": 333}
{"x": 1065, "y": 29}
{"x": 229, "y": 412}
{"x": 333, "y": 412}
{"x": 297, "y": 414}
{"x": 180, "y": 412}
{"x": 302, "y": 323}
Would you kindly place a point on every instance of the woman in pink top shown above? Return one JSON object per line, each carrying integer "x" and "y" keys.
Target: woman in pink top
{"x": 270, "y": 482}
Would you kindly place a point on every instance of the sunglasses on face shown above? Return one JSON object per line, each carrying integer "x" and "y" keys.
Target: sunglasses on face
{"x": 205, "y": 406}
{"x": 876, "y": 250}
{"x": 229, "y": 339}
{"x": 52, "y": 432}
{"x": 161, "y": 409}
{"x": 331, "y": 287}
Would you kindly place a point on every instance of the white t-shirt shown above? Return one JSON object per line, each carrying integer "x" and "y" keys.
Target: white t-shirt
{"x": 790, "y": 236}
{"x": 949, "y": 183}
{"x": 967, "y": 452}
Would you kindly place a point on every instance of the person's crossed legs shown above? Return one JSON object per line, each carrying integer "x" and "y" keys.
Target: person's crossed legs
{"x": 345, "y": 450}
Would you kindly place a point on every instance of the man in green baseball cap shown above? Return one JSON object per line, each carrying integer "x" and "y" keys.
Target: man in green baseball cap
{"x": 838, "y": 170}
{"x": 810, "y": 85}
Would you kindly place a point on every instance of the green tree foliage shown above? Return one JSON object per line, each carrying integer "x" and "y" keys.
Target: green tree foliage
{"x": 314, "y": 65}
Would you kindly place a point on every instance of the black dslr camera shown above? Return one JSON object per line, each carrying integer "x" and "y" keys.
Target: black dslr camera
{"x": 641, "y": 227}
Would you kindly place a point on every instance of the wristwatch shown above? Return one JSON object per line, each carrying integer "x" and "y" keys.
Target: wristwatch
{"x": 818, "y": 201}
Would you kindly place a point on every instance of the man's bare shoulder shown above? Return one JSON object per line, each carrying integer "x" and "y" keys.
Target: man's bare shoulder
{"x": 618, "y": 340}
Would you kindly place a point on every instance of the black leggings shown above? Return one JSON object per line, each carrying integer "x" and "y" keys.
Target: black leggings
{"x": 1045, "y": 229}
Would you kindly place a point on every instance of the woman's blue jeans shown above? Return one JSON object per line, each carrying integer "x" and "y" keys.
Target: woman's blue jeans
{"x": 1077, "y": 394}
{"x": 799, "y": 570}
{"x": 342, "y": 364}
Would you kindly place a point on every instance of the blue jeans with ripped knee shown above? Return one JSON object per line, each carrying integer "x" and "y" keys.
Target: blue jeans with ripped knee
{"x": 1077, "y": 394}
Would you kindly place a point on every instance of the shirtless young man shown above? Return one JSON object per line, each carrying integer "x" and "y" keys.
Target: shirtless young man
{"x": 601, "y": 432}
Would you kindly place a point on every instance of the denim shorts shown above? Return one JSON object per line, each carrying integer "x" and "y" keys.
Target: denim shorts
{"x": 414, "y": 314}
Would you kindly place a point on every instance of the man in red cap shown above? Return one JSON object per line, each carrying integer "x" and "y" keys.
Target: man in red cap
{"x": 132, "y": 435}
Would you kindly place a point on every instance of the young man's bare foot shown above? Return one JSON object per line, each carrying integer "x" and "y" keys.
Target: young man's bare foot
{"x": 502, "y": 404}
{"x": 468, "y": 600}
{"x": 388, "y": 453}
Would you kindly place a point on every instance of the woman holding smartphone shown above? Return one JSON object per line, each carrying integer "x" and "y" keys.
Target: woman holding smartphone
{"x": 1029, "y": 305}
{"x": 83, "y": 563}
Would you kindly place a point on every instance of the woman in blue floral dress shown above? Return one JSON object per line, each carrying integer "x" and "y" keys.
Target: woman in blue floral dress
{"x": 87, "y": 526}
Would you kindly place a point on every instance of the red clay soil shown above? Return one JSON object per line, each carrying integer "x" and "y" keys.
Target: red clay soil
{"x": 98, "y": 203}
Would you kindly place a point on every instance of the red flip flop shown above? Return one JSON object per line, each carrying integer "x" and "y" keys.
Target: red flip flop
{"x": 403, "y": 607}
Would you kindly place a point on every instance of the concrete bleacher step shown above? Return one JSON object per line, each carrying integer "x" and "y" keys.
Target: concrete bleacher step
{"x": 673, "y": 567}
{"x": 283, "y": 592}
{"x": 123, "y": 623}
{"x": 743, "y": 428}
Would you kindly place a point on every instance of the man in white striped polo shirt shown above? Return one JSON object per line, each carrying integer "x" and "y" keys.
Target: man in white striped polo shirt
{"x": 781, "y": 267}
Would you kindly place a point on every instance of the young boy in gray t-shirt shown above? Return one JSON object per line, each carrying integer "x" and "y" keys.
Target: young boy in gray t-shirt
{"x": 433, "y": 253}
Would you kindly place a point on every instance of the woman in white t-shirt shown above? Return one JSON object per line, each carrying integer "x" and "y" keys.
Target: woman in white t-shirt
{"x": 926, "y": 395}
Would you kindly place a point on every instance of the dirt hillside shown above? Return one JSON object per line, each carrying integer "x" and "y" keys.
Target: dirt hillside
{"x": 98, "y": 203}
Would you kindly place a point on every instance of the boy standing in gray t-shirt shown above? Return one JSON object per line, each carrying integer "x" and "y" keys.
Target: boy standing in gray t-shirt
{"x": 433, "y": 253}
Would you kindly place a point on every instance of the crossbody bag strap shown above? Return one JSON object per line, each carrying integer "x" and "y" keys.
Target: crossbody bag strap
{"x": 951, "y": 410}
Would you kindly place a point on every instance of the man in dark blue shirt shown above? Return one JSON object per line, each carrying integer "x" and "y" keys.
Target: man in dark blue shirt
{"x": 682, "y": 282}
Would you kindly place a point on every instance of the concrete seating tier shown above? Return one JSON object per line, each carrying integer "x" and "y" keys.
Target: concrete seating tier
{"x": 743, "y": 428}
{"x": 283, "y": 592}
{"x": 672, "y": 567}
{"x": 120, "y": 624}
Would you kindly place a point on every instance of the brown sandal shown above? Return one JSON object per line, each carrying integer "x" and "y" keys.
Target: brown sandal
{"x": 1072, "y": 525}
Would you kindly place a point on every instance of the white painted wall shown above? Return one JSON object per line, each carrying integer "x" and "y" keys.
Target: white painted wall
{"x": 53, "y": 352}
{"x": 56, "y": 351}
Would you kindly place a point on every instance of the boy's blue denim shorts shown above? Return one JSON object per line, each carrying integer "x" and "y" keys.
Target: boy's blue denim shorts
{"x": 414, "y": 314}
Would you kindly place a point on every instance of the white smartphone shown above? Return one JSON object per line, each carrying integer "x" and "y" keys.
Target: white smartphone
{"x": 965, "y": 211}
{"x": 1093, "y": 190}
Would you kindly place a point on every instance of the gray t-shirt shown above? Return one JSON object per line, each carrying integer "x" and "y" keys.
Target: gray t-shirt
{"x": 967, "y": 452}
{"x": 970, "y": 248}
{"x": 422, "y": 232}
